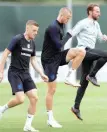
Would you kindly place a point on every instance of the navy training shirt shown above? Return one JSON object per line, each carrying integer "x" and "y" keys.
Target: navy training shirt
{"x": 54, "y": 40}
{"x": 21, "y": 51}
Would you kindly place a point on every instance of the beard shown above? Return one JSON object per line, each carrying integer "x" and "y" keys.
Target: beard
{"x": 95, "y": 18}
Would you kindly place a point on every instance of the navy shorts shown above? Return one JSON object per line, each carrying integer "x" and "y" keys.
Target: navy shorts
{"x": 51, "y": 68}
{"x": 20, "y": 81}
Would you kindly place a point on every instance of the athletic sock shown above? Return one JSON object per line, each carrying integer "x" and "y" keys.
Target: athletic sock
{"x": 29, "y": 120}
{"x": 4, "y": 108}
{"x": 50, "y": 115}
{"x": 71, "y": 71}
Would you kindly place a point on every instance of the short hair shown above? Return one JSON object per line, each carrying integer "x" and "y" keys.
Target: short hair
{"x": 91, "y": 7}
{"x": 32, "y": 22}
{"x": 64, "y": 9}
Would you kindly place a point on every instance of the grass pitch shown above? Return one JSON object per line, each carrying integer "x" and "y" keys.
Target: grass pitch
{"x": 93, "y": 110}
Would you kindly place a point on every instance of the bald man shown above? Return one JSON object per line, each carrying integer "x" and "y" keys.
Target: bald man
{"x": 52, "y": 57}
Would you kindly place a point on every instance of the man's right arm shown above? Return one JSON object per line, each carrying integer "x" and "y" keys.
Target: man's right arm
{"x": 73, "y": 32}
{"x": 2, "y": 62}
{"x": 55, "y": 36}
{"x": 5, "y": 54}
{"x": 101, "y": 37}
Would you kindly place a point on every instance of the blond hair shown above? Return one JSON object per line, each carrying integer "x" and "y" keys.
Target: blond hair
{"x": 32, "y": 22}
{"x": 64, "y": 10}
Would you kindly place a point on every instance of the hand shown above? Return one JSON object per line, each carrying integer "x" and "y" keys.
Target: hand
{"x": 105, "y": 37}
{"x": 1, "y": 76}
{"x": 44, "y": 77}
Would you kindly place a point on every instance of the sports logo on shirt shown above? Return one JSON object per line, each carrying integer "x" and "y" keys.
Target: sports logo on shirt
{"x": 28, "y": 46}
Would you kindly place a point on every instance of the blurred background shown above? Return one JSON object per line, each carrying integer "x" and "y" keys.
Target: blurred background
{"x": 13, "y": 17}
{"x": 15, "y": 13}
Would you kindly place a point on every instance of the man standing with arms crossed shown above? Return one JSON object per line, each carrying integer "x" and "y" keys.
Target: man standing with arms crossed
{"x": 87, "y": 32}
{"x": 52, "y": 57}
{"x": 22, "y": 49}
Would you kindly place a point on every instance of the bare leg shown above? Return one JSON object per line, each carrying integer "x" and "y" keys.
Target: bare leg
{"x": 33, "y": 98}
{"x": 18, "y": 99}
{"x": 49, "y": 105}
{"x": 50, "y": 94}
{"x": 75, "y": 56}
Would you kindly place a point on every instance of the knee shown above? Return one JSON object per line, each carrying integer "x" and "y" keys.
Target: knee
{"x": 51, "y": 91}
{"x": 84, "y": 83}
{"x": 34, "y": 98}
{"x": 20, "y": 100}
{"x": 82, "y": 52}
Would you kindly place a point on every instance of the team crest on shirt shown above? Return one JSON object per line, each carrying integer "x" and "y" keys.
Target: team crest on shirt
{"x": 28, "y": 46}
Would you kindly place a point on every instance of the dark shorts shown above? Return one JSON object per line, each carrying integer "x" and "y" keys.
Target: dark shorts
{"x": 51, "y": 68}
{"x": 20, "y": 81}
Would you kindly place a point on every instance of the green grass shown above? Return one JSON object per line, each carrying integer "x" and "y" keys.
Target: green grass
{"x": 93, "y": 110}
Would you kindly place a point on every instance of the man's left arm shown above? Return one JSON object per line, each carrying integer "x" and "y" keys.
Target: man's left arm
{"x": 100, "y": 36}
{"x": 37, "y": 67}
